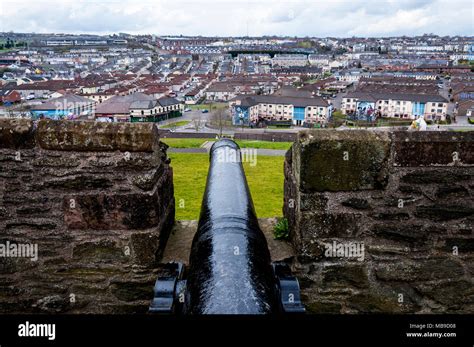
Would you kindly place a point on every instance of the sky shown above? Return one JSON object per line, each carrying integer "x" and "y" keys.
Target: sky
{"x": 319, "y": 18}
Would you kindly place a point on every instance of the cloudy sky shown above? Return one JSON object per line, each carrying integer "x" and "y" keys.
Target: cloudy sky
{"x": 321, "y": 18}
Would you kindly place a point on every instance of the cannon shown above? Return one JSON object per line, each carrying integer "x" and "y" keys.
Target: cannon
{"x": 230, "y": 269}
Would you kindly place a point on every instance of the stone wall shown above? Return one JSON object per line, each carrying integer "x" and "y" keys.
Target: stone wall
{"x": 97, "y": 199}
{"x": 407, "y": 197}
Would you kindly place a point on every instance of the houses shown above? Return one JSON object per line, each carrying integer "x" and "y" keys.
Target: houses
{"x": 395, "y": 84}
{"x": 463, "y": 91}
{"x": 443, "y": 69}
{"x": 95, "y": 83}
{"x": 155, "y": 110}
{"x": 82, "y": 40}
{"x": 222, "y": 91}
{"x": 102, "y": 96}
{"x": 369, "y": 105}
{"x": 349, "y": 75}
{"x": 312, "y": 71}
{"x": 470, "y": 112}
{"x": 44, "y": 89}
{"x": 288, "y": 60}
{"x": 138, "y": 107}
{"x": 193, "y": 96}
{"x": 231, "y": 87}
{"x": 69, "y": 106}
{"x": 294, "y": 107}
{"x": 465, "y": 108}
{"x": 8, "y": 97}
{"x": 319, "y": 59}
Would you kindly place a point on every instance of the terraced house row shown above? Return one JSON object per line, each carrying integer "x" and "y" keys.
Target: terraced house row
{"x": 251, "y": 110}
{"x": 369, "y": 105}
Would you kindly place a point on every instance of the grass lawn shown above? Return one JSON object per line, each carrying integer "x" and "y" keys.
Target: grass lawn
{"x": 263, "y": 144}
{"x": 175, "y": 124}
{"x": 196, "y": 143}
{"x": 185, "y": 143}
{"x": 279, "y": 127}
{"x": 190, "y": 172}
{"x": 214, "y": 106}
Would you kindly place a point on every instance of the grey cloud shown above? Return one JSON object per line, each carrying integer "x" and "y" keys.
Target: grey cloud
{"x": 230, "y": 17}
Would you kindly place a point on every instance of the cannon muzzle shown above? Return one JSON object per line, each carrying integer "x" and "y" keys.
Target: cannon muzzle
{"x": 230, "y": 269}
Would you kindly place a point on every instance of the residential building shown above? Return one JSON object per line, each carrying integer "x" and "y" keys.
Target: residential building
{"x": 297, "y": 109}
{"x": 288, "y": 60}
{"x": 138, "y": 107}
{"x": 155, "y": 110}
{"x": 69, "y": 106}
{"x": 369, "y": 105}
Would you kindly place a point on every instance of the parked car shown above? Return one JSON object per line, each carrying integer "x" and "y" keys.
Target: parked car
{"x": 187, "y": 110}
{"x": 205, "y": 111}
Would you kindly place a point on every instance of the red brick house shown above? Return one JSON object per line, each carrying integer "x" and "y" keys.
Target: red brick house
{"x": 9, "y": 96}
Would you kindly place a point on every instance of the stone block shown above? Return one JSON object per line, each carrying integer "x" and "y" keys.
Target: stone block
{"x": 132, "y": 290}
{"x": 105, "y": 251}
{"x": 443, "y": 175}
{"x": 419, "y": 270}
{"x": 16, "y": 133}
{"x": 356, "y": 203}
{"x": 345, "y": 275}
{"x": 111, "y": 211}
{"x": 97, "y": 136}
{"x": 325, "y": 225}
{"x": 433, "y": 148}
{"x": 444, "y": 212}
{"x": 342, "y": 160}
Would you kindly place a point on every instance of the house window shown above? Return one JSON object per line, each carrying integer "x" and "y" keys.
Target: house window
{"x": 440, "y": 105}
{"x": 142, "y": 112}
{"x": 439, "y": 110}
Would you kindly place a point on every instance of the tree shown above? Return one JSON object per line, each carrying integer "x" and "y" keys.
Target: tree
{"x": 305, "y": 78}
{"x": 197, "y": 123}
{"x": 219, "y": 119}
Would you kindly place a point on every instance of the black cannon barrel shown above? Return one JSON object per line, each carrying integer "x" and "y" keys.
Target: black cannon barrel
{"x": 230, "y": 269}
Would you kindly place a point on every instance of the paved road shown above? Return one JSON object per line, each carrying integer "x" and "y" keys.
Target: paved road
{"x": 462, "y": 121}
{"x": 194, "y": 115}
